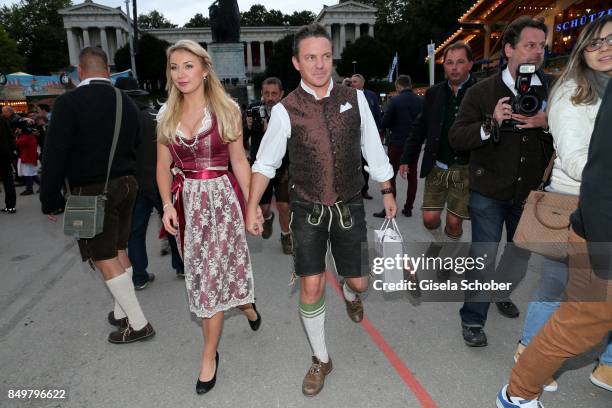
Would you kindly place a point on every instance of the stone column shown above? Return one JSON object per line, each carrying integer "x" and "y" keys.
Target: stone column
{"x": 73, "y": 51}
{"x": 342, "y": 39}
{"x": 357, "y": 31}
{"x": 249, "y": 57}
{"x": 86, "y": 42}
{"x": 119, "y": 37}
{"x": 371, "y": 30}
{"x": 104, "y": 41}
{"x": 262, "y": 55}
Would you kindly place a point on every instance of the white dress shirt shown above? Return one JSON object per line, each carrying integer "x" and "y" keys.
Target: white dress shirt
{"x": 274, "y": 143}
{"x": 88, "y": 80}
{"x": 510, "y": 83}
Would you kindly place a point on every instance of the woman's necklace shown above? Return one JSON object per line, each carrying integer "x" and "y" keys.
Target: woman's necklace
{"x": 192, "y": 146}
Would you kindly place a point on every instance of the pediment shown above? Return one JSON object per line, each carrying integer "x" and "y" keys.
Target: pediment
{"x": 90, "y": 7}
{"x": 350, "y": 6}
{"x": 346, "y": 7}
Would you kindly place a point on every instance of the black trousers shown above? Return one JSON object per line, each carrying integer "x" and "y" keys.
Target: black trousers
{"x": 6, "y": 172}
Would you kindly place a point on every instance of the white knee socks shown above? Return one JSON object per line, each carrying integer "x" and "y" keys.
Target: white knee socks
{"x": 122, "y": 289}
{"x": 313, "y": 317}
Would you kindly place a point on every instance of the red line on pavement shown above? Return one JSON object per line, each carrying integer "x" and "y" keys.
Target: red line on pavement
{"x": 405, "y": 374}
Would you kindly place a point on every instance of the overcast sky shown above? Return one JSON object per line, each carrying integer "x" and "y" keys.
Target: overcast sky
{"x": 179, "y": 12}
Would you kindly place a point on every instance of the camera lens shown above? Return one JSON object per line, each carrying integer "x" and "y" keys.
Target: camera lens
{"x": 529, "y": 104}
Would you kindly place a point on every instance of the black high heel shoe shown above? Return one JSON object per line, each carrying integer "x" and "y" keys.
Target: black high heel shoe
{"x": 202, "y": 387}
{"x": 255, "y": 323}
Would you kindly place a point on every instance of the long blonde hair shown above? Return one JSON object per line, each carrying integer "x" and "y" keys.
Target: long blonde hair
{"x": 220, "y": 103}
{"x": 577, "y": 68}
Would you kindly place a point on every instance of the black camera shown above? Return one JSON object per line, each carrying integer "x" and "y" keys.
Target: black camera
{"x": 527, "y": 102}
{"x": 257, "y": 112}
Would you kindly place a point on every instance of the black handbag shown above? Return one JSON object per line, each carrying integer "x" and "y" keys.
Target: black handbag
{"x": 84, "y": 215}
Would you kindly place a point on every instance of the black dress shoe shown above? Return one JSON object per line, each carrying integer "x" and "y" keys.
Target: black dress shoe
{"x": 381, "y": 214}
{"x": 365, "y": 195}
{"x": 202, "y": 387}
{"x": 122, "y": 323}
{"x": 255, "y": 323}
{"x": 508, "y": 309}
{"x": 407, "y": 213}
{"x": 474, "y": 336}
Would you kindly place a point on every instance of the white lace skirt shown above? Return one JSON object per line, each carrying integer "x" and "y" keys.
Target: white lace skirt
{"x": 218, "y": 271}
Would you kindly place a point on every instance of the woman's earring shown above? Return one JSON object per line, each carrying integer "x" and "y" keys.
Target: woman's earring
{"x": 204, "y": 78}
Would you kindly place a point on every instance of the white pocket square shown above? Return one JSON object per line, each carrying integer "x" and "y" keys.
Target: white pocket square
{"x": 345, "y": 107}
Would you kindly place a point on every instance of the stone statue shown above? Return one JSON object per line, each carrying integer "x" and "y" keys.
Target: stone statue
{"x": 225, "y": 21}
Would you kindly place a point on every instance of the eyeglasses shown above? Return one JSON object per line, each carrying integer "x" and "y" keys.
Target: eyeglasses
{"x": 597, "y": 43}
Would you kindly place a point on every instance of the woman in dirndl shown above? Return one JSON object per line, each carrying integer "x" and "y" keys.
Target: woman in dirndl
{"x": 199, "y": 134}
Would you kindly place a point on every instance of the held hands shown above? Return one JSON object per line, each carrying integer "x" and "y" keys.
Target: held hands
{"x": 390, "y": 205}
{"x": 404, "y": 169}
{"x": 254, "y": 221}
{"x": 170, "y": 220}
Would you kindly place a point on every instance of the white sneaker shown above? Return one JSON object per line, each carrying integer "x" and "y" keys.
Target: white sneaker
{"x": 504, "y": 401}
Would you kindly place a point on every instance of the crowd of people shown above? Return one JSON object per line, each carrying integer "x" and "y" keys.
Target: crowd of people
{"x": 212, "y": 171}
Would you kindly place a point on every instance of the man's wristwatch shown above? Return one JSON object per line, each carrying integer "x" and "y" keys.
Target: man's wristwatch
{"x": 388, "y": 190}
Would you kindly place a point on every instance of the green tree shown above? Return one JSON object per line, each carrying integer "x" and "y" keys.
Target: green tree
{"x": 150, "y": 60}
{"x": 38, "y": 30}
{"x": 154, "y": 19}
{"x": 300, "y": 18}
{"x": 371, "y": 56}
{"x": 198, "y": 21}
{"x": 274, "y": 18}
{"x": 280, "y": 66}
{"x": 254, "y": 17}
{"x": 11, "y": 60}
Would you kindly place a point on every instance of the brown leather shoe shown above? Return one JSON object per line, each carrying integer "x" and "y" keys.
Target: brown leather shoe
{"x": 129, "y": 335}
{"x": 355, "y": 309}
{"x": 315, "y": 377}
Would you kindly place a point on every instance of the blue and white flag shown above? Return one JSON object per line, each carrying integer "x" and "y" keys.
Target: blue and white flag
{"x": 393, "y": 68}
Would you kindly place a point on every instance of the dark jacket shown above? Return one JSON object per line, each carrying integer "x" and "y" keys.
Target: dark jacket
{"x": 401, "y": 112}
{"x": 593, "y": 218}
{"x": 428, "y": 125}
{"x": 372, "y": 99}
{"x": 507, "y": 170}
{"x": 146, "y": 153}
{"x": 7, "y": 140}
{"x": 79, "y": 140}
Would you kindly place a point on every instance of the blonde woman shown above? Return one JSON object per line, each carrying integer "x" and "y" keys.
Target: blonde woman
{"x": 199, "y": 132}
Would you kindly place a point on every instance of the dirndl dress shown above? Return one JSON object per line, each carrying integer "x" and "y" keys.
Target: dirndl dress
{"x": 212, "y": 236}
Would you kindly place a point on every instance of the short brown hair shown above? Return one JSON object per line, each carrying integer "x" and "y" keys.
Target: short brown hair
{"x": 273, "y": 81}
{"x": 404, "y": 81}
{"x": 93, "y": 59}
{"x": 311, "y": 30}
{"x": 459, "y": 45}
{"x": 512, "y": 34}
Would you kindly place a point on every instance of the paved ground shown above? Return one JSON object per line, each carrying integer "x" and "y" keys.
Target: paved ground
{"x": 53, "y": 335}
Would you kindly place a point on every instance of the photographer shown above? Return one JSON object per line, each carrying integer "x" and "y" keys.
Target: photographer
{"x": 257, "y": 117}
{"x": 509, "y": 151}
